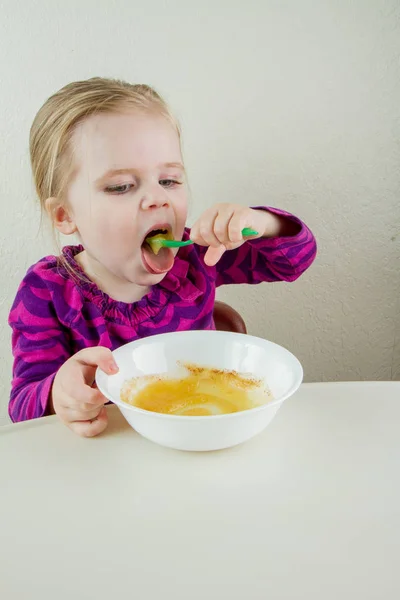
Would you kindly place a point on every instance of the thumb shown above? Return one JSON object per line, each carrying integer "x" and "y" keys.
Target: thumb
{"x": 98, "y": 356}
{"x": 213, "y": 255}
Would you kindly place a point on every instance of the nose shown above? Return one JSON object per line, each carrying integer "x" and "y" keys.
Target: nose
{"x": 154, "y": 198}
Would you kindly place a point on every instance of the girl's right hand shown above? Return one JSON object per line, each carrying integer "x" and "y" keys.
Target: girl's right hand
{"x": 79, "y": 405}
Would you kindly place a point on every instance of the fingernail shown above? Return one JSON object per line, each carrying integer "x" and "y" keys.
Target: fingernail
{"x": 113, "y": 367}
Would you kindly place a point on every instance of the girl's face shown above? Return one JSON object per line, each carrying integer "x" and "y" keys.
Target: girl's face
{"x": 129, "y": 180}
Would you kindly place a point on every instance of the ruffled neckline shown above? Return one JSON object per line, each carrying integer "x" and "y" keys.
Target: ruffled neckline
{"x": 177, "y": 282}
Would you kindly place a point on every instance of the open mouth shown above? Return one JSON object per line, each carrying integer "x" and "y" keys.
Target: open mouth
{"x": 156, "y": 259}
{"x": 162, "y": 233}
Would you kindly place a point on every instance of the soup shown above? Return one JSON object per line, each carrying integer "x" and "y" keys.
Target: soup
{"x": 201, "y": 392}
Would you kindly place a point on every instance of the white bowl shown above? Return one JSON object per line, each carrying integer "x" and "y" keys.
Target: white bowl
{"x": 159, "y": 354}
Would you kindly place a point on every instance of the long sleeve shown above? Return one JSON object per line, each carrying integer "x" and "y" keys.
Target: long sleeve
{"x": 269, "y": 259}
{"x": 40, "y": 346}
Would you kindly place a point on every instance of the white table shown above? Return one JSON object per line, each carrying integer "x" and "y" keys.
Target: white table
{"x": 310, "y": 509}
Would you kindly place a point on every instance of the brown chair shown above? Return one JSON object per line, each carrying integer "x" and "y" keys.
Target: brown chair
{"x": 227, "y": 318}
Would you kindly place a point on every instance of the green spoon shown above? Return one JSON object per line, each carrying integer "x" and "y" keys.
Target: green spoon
{"x": 158, "y": 241}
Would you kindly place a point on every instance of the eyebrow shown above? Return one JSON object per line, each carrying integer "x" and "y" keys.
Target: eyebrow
{"x": 173, "y": 165}
{"x": 111, "y": 172}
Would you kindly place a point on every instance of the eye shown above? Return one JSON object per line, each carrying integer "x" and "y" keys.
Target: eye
{"x": 169, "y": 183}
{"x": 119, "y": 189}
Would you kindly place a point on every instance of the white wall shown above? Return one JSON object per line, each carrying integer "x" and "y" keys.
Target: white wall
{"x": 294, "y": 104}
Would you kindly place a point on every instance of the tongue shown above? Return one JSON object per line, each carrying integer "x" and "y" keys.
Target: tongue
{"x": 157, "y": 263}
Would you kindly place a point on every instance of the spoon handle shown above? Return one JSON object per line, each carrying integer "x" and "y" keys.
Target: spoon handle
{"x": 246, "y": 232}
{"x": 175, "y": 243}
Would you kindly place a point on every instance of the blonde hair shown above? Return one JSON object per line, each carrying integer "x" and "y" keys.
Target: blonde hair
{"x": 54, "y": 124}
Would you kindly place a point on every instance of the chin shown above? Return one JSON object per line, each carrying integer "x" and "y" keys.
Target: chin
{"x": 148, "y": 279}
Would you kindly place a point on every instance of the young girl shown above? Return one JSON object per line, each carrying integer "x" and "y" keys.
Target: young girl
{"x": 107, "y": 165}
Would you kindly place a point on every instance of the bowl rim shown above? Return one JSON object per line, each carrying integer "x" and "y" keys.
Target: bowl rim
{"x": 251, "y": 338}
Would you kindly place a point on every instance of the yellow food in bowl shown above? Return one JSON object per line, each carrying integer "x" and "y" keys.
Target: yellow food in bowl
{"x": 202, "y": 392}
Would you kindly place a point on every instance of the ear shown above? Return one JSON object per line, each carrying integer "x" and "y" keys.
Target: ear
{"x": 61, "y": 217}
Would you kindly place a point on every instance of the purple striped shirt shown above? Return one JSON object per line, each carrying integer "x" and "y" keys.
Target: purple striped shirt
{"x": 55, "y": 315}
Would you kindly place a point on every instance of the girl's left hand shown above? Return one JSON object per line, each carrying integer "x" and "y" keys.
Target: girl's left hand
{"x": 220, "y": 228}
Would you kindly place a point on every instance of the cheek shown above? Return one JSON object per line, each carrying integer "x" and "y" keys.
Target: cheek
{"x": 111, "y": 219}
{"x": 181, "y": 208}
